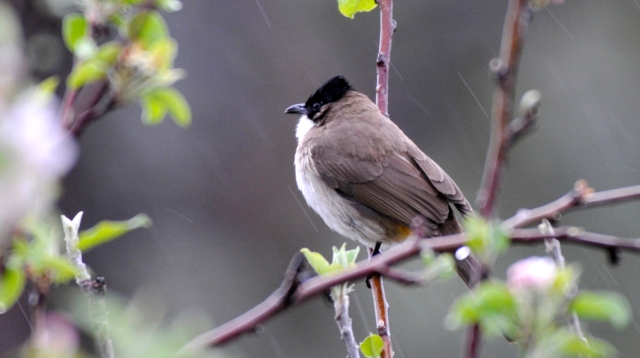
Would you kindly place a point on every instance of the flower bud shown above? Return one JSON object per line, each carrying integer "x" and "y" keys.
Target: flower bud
{"x": 534, "y": 273}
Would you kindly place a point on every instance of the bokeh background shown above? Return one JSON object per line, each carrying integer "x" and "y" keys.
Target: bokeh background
{"x": 222, "y": 194}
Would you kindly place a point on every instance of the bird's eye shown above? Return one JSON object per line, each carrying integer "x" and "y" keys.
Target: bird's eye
{"x": 316, "y": 106}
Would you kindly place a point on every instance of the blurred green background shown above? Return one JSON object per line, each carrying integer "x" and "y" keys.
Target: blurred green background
{"x": 222, "y": 193}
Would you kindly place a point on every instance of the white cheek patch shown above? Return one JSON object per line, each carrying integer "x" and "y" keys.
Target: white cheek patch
{"x": 304, "y": 125}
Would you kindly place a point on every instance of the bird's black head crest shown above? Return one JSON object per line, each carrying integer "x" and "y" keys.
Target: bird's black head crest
{"x": 332, "y": 91}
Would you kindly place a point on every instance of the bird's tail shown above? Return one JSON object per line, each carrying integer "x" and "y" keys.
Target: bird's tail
{"x": 467, "y": 265}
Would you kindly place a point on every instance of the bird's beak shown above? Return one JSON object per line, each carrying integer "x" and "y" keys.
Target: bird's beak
{"x": 296, "y": 109}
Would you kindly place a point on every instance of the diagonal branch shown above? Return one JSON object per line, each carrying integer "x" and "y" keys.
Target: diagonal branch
{"x": 249, "y": 321}
{"x": 580, "y": 197}
{"x": 292, "y": 293}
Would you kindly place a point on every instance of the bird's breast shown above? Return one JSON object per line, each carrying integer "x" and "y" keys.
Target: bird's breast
{"x": 336, "y": 211}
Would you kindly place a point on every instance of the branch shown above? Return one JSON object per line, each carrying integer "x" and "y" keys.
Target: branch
{"x": 578, "y": 236}
{"x": 100, "y": 101}
{"x": 580, "y": 197}
{"x": 387, "y": 27}
{"x": 291, "y": 294}
{"x": 249, "y": 321}
{"x": 474, "y": 341}
{"x": 505, "y": 69}
{"x": 340, "y": 297}
{"x": 381, "y": 307}
{"x": 93, "y": 290}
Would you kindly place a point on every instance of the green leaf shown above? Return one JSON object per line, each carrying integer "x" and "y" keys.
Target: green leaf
{"x": 154, "y": 108}
{"x": 164, "y": 52}
{"x": 492, "y": 305}
{"x": 602, "y": 306}
{"x": 319, "y": 264}
{"x": 349, "y": 8}
{"x": 148, "y": 27}
{"x": 49, "y": 85}
{"x": 343, "y": 258}
{"x": 596, "y": 348}
{"x": 352, "y": 255}
{"x": 86, "y": 72}
{"x": 176, "y": 104}
{"x": 59, "y": 268}
{"x": 486, "y": 239}
{"x": 12, "y": 284}
{"x": 109, "y": 52}
{"x": 106, "y": 231}
{"x": 74, "y": 27}
{"x": 372, "y": 346}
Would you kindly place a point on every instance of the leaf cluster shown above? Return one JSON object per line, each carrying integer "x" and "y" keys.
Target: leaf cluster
{"x": 137, "y": 63}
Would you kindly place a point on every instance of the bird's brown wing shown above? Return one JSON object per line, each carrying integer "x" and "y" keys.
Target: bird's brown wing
{"x": 395, "y": 179}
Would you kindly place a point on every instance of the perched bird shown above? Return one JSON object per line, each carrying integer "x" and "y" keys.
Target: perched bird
{"x": 364, "y": 177}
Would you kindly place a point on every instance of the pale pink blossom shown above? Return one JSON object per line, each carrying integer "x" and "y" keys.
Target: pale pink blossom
{"x": 56, "y": 337}
{"x": 536, "y": 273}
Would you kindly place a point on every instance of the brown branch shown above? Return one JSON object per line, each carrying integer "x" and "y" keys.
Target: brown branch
{"x": 100, "y": 102}
{"x": 580, "y": 197}
{"x": 505, "y": 69}
{"x": 473, "y": 347}
{"x": 249, "y": 321}
{"x": 66, "y": 109}
{"x": 576, "y": 235}
{"x": 380, "y": 264}
{"x": 402, "y": 276}
{"x": 381, "y": 308}
{"x": 290, "y": 293}
{"x": 387, "y": 27}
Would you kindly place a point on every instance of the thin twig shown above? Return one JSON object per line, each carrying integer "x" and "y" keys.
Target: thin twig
{"x": 381, "y": 308}
{"x": 249, "y": 321}
{"x": 473, "y": 347}
{"x": 578, "y": 236}
{"x": 101, "y": 102}
{"x": 553, "y": 249}
{"x": 387, "y": 27}
{"x": 505, "y": 69}
{"x": 340, "y": 296}
{"x": 66, "y": 109}
{"x": 577, "y": 198}
{"x": 93, "y": 290}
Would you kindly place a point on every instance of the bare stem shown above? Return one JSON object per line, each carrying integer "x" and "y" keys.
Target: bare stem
{"x": 100, "y": 102}
{"x": 505, "y": 69}
{"x": 387, "y": 27}
{"x": 93, "y": 290}
{"x": 340, "y": 296}
{"x": 580, "y": 197}
{"x": 382, "y": 312}
{"x": 473, "y": 347}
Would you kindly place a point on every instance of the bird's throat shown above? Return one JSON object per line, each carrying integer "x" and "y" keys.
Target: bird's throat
{"x": 304, "y": 125}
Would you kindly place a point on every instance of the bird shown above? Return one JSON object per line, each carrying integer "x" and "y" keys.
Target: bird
{"x": 365, "y": 177}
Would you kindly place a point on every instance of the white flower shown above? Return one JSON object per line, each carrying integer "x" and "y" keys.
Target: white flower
{"x": 35, "y": 151}
{"x": 537, "y": 273}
